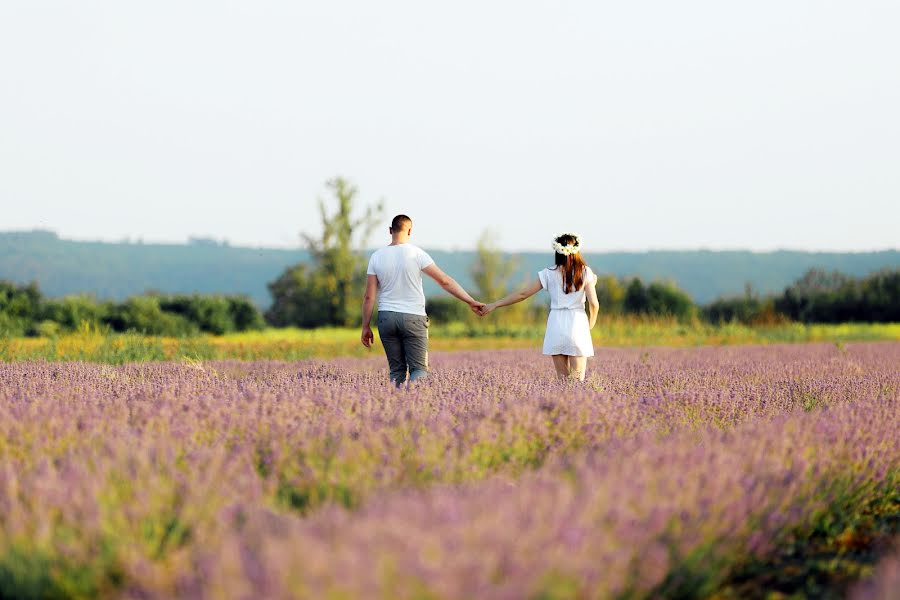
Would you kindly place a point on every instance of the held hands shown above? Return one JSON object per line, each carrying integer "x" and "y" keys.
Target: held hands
{"x": 476, "y": 307}
{"x": 486, "y": 309}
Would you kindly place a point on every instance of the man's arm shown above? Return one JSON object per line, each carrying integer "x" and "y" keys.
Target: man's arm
{"x": 367, "y": 336}
{"x": 450, "y": 286}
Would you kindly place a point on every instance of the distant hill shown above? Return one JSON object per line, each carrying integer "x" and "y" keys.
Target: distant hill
{"x": 117, "y": 270}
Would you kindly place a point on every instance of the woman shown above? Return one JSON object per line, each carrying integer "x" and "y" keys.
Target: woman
{"x": 568, "y": 337}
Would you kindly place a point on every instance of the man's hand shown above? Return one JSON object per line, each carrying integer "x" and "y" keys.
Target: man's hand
{"x": 367, "y": 337}
{"x": 486, "y": 310}
{"x": 476, "y": 307}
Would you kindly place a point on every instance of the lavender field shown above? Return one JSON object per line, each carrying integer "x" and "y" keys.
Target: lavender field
{"x": 669, "y": 473}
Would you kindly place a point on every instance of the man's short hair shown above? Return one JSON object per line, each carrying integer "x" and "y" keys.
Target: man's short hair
{"x": 400, "y": 222}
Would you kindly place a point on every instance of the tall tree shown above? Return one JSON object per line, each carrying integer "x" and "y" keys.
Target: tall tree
{"x": 492, "y": 273}
{"x": 329, "y": 290}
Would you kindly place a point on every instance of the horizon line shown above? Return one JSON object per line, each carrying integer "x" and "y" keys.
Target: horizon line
{"x": 199, "y": 240}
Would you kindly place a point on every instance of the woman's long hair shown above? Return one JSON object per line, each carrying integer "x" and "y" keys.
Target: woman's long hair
{"x": 572, "y": 266}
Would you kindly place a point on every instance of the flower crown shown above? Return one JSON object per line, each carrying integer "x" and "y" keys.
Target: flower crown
{"x": 569, "y": 249}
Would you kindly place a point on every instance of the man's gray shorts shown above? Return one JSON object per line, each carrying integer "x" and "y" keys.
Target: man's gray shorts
{"x": 405, "y": 340}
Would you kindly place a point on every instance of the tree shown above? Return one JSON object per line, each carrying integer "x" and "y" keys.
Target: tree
{"x": 19, "y": 307}
{"x": 492, "y": 273}
{"x": 832, "y": 297}
{"x": 636, "y": 300}
{"x": 610, "y": 294}
{"x": 658, "y": 299}
{"x": 329, "y": 290}
{"x": 666, "y": 300}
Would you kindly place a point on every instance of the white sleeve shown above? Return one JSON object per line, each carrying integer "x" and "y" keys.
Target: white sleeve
{"x": 424, "y": 260}
{"x": 590, "y": 278}
{"x": 371, "y": 269}
{"x": 542, "y": 275}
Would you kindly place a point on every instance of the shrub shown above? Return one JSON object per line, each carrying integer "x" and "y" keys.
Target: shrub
{"x": 447, "y": 310}
{"x": 832, "y": 297}
{"x": 19, "y": 307}
{"x": 209, "y": 314}
{"x": 661, "y": 299}
{"x": 610, "y": 294}
{"x": 143, "y": 314}
{"x": 244, "y": 314}
{"x": 70, "y": 312}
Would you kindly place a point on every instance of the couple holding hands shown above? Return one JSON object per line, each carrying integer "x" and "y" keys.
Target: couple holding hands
{"x": 394, "y": 278}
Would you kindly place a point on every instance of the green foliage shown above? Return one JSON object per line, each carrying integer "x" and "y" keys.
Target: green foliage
{"x": 733, "y": 310}
{"x": 661, "y": 299}
{"x": 144, "y": 314}
{"x": 832, "y": 297}
{"x": 610, "y": 294}
{"x": 19, "y": 307}
{"x": 635, "y": 300}
{"x": 329, "y": 290}
{"x": 244, "y": 314}
{"x": 70, "y": 312}
{"x": 443, "y": 310}
{"x": 212, "y": 314}
{"x": 491, "y": 271}
{"x": 297, "y": 297}
{"x": 24, "y": 312}
{"x": 493, "y": 275}
{"x": 117, "y": 270}
{"x": 748, "y": 309}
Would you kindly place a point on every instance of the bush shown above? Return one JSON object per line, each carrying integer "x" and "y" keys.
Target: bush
{"x": 445, "y": 310}
{"x": 70, "y": 312}
{"x": 610, "y": 294}
{"x": 24, "y": 312}
{"x": 636, "y": 301}
{"x": 881, "y": 296}
{"x": 666, "y": 300}
{"x": 747, "y": 310}
{"x": 732, "y": 310}
{"x": 832, "y": 297}
{"x": 47, "y": 329}
{"x": 143, "y": 314}
{"x": 659, "y": 299}
{"x": 210, "y": 314}
{"x": 244, "y": 314}
{"x": 19, "y": 307}
{"x": 299, "y": 299}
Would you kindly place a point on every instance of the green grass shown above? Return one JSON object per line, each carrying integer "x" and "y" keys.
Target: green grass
{"x": 298, "y": 344}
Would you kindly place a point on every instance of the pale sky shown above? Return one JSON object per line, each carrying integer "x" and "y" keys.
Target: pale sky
{"x": 639, "y": 124}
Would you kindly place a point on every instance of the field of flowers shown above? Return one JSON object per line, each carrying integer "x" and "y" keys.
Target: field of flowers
{"x": 671, "y": 472}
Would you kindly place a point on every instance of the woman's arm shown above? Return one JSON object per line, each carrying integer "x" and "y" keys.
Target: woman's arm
{"x": 527, "y": 292}
{"x": 593, "y": 303}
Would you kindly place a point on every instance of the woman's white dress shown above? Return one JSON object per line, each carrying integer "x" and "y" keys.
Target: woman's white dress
{"x": 568, "y": 331}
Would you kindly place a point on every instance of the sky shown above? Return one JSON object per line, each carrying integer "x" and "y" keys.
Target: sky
{"x": 640, "y": 125}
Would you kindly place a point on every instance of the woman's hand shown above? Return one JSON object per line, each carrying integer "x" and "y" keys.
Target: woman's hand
{"x": 487, "y": 309}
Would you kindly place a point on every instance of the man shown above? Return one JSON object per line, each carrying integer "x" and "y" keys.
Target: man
{"x": 395, "y": 277}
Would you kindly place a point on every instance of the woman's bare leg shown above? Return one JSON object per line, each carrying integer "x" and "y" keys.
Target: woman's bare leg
{"x": 577, "y": 367}
{"x": 561, "y": 363}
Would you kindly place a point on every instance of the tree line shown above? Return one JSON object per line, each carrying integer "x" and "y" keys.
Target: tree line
{"x": 25, "y": 312}
{"x": 327, "y": 291}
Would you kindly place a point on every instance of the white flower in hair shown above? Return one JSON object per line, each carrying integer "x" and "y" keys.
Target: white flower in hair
{"x": 568, "y": 249}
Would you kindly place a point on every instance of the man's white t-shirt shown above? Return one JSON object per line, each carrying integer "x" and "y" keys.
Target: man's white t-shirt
{"x": 399, "y": 272}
